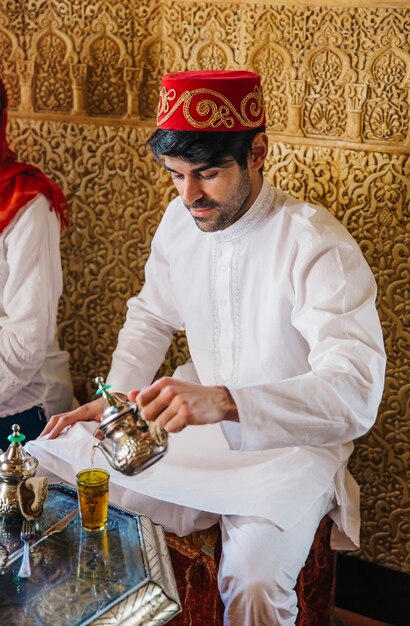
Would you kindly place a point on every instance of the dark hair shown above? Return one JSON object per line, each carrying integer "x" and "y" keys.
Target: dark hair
{"x": 203, "y": 147}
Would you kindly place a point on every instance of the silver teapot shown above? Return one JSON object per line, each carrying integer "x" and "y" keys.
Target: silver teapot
{"x": 135, "y": 443}
{"x": 15, "y": 465}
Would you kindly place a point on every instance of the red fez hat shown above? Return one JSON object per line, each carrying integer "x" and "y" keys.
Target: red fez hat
{"x": 207, "y": 100}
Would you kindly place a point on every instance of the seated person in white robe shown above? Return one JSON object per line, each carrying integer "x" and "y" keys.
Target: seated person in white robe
{"x": 34, "y": 373}
{"x": 278, "y": 306}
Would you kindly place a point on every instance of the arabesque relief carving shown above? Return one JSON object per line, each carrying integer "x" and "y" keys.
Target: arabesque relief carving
{"x": 83, "y": 79}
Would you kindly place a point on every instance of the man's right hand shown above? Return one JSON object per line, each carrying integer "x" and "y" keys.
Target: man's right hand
{"x": 86, "y": 413}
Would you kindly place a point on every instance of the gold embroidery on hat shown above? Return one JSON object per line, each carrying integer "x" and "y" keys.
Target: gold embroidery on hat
{"x": 218, "y": 114}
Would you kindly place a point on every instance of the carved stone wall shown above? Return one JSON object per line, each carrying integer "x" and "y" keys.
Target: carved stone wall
{"x": 83, "y": 78}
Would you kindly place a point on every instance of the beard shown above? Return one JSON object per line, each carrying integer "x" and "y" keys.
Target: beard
{"x": 226, "y": 214}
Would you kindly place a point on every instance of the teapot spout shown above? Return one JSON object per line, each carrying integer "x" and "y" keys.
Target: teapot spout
{"x": 106, "y": 452}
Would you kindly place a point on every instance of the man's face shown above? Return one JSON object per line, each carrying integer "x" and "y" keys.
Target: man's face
{"x": 216, "y": 197}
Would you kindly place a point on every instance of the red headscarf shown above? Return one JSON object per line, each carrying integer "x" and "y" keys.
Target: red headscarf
{"x": 20, "y": 182}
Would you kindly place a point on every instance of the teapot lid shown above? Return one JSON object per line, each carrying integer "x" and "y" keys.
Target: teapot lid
{"x": 113, "y": 413}
{"x": 115, "y": 407}
{"x": 15, "y": 461}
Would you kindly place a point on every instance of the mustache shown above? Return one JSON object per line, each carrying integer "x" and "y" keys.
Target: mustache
{"x": 202, "y": 204}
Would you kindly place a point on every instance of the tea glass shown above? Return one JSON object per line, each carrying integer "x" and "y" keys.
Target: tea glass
{"x": 92, "y": 486}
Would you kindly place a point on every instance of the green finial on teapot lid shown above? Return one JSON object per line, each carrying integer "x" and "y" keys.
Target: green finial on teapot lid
{"x": 102, "y": 389}
{"x": 16, "y": 435}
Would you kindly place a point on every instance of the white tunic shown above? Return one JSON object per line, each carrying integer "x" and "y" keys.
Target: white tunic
{"x": 33, "y": 370}
{"x": 280, "y": 308}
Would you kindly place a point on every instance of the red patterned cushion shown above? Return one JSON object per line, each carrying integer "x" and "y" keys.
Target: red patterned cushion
{"x": 316, "y": 583}
{"x": 195, "y": 561}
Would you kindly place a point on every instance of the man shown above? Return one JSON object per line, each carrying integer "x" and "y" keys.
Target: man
{"x": 278, "y": 307}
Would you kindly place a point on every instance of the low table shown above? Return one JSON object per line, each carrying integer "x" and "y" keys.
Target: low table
{"x": 120, "y": 575}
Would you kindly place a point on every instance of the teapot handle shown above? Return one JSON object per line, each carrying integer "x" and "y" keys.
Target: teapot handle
{"x": 140, "y": 422}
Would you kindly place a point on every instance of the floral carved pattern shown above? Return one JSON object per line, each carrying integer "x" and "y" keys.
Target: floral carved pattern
{"x": 324, "y": 106}
{"x": 8, "y": 70}
{"x": 387, "y": 110}
{"x": 83, "y": 79}
{"x": 105, "y": 84}
{"x": 270, "y": 64}
{"x": 52, "y": 84}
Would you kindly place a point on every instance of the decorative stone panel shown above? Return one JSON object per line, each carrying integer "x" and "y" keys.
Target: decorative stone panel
{"x": 83, "y": 78}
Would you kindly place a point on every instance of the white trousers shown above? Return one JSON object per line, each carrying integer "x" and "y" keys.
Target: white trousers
{"x": 260, "y": 562}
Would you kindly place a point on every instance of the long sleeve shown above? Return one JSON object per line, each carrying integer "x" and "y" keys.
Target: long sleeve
{"x": 31, "y": 284}
{"x": 152, "y": 318}
{"x": 335, "y": 401}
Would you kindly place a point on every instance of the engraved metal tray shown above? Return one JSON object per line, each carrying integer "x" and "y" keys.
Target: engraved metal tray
{"x": 118, "y": 576}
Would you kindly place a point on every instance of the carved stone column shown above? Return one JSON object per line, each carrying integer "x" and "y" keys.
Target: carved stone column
{"x": 25, "y": 70}
{"x": 79, "y": 75}
{"x": 133, "y": 79}
{"x": 296, "y": 92}
{"x": 355, "y": 96}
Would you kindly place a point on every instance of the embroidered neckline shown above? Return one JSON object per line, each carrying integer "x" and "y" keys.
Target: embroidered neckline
{"x": 263, "y": 204}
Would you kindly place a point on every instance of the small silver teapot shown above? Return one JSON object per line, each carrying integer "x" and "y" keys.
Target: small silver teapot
{"x": 136, "y": 443}
{"x": 15, "y": 465}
